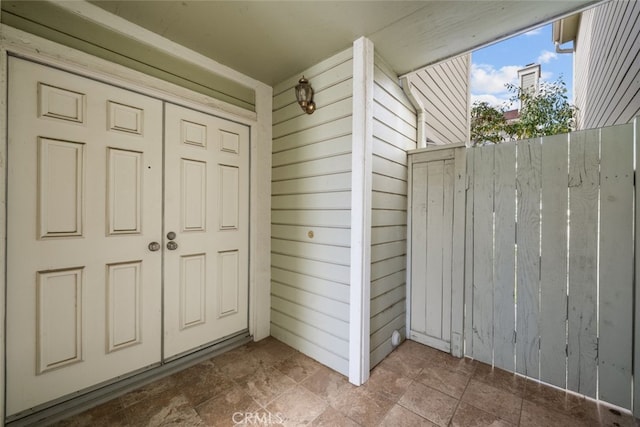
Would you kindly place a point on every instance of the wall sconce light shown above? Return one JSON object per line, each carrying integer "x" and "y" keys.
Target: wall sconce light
{"x": 304, "y": 95}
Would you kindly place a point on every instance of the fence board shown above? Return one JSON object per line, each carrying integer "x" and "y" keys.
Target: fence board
{"x": 504, "y": 321}
{"x": 468, "y": 259}
{"x": 419, "y": 237}
{"x": 435, "y": 207}
{"x": 616, "y": 266}
{"x": 447, "y": 243}
{"x": 483, "y": 255}
{"x": 457, "y": 277}
{"x": 553, "y": 268}
{"x": 636, "y": 323}
{"x": 528, "y": 258}
{"x": 582, "y": 339}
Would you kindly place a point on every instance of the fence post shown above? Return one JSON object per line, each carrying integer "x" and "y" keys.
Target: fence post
{"x": 636, "y": 320}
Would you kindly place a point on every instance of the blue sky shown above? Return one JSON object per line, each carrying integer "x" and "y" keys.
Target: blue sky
{"x": 495, "y": 65}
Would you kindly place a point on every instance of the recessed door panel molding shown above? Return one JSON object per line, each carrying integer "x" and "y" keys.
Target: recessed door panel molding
{"x": 228, "y": 282}
{"x": 229, "y": 142}
{"x": 193, "y": 133}
{"x": 61, "y": 104}
{"x": 84, "y": 203}
{"x": 60, "y": 188}
{"x": 124, "y": 118}
{"x": 194, "y": 195}
{"x": 124, "y": 191}
{"x": 59, "y": 318}
{"x": 192, "y": 290}
{"x": 124, "y": 283}
{"x": 229, "y": 197}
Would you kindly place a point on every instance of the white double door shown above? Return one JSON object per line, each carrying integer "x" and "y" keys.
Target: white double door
{"x": 127, "y": 232}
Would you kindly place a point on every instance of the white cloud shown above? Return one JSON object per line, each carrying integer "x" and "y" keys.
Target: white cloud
{"x": 533, "y": 32}
{"x": 496, "y": 101}
{"x": 486, "y": 79}
{"x": 546, "y": 56}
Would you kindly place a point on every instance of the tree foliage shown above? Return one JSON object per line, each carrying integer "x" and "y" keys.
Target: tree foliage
{"x": 543, "y": 112}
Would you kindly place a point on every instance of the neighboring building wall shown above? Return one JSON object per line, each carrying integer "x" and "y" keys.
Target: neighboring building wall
{"x": 394, "y": 132}
{"x": 444, "y": 90}
{"x": 607, "y": 65}
{"x": 311, "y": 214}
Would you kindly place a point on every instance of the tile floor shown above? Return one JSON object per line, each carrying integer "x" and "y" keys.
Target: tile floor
{"x": 269, "y": 383}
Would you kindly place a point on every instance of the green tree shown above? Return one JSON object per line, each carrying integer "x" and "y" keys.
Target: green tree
{"x": 543, "y": 112}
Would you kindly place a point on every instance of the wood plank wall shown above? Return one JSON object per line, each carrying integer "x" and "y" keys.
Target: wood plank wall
{"x": 311, "y": 197}
{"x": 444, "y": 91}
{"x": 550, "y": 283}
{"x": 607, "y": 65}
{"x": 394, "y": 132}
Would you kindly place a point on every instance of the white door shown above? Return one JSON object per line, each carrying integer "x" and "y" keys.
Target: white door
{"x": 84, "y": 202}
{"x": 437, "y": 209}
{"x": 206, "y": 229}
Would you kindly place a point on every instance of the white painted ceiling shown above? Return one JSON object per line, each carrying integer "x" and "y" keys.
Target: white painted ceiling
{"x": 273, "y": 40}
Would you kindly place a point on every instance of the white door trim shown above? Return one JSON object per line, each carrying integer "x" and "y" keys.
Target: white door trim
{"x": 20, "y": 43}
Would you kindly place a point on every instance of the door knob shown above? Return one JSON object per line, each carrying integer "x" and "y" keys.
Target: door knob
{"x": 154, "y": 246}
{"x": 171, "y": 235}
{"x": 172, "y": 246}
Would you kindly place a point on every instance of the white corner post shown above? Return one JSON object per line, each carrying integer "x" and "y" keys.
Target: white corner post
{"x": 421, "y": 125}
{"x": 260, "y": 244}
{"x": 361, "y": 170}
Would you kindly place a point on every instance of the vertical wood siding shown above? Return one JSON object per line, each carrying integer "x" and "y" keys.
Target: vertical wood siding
{"x": 444, "y": 91}
{"x": 394, "y": 132}
{"x": 311, "y": 197}
{"x": 551, "y": 280}
{"x": 607, "y": 65}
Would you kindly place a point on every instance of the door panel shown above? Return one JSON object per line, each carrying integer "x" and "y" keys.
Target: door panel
{"x": 84, "y": 201}
{"x": 207, "y": 207}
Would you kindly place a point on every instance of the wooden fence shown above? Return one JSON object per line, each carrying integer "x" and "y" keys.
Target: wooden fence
{"x": 549, "y": 276}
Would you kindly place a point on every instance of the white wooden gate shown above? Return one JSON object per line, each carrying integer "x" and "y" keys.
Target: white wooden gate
{"x": 436, "y": 221}
{"x": 549, "y": 278}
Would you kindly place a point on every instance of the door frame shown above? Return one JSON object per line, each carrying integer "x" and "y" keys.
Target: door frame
{"x": 28, "y": 46}
{"x": 457, "y": 152}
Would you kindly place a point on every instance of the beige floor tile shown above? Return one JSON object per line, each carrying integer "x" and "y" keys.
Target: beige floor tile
{"x": 226, "y": 409}
{"x": 153, "y": 389}
{"x": 498, "y": 402}
{"x": 167, "y": 408}
{"x": 362, "y": 407}
{"x": 447, "y": 361}
{"x": 270, "y": 351}
{"x": 326, "y": 382}
{"x": 534, "y": 415}
{"x": 265, "y": 384}
{"x": 414, "y": 349}
{"x": 429, "y": 403}
{"x": 470, "y": 416}
{"x": 499, "y": 378}
{"x": 298, "y": 367}
{"x": 387, "y": 384}
{"x": 331, "y": 417}
{"x": 445, "y": 380}
{"x": 401, "y": 417}
{"x": 403, "y": 363}
{"x": 238, "y": 364}
{"x": 202, "y": 382}
{"x": 297, "y": 406}
{"x": 559, "y": 400}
